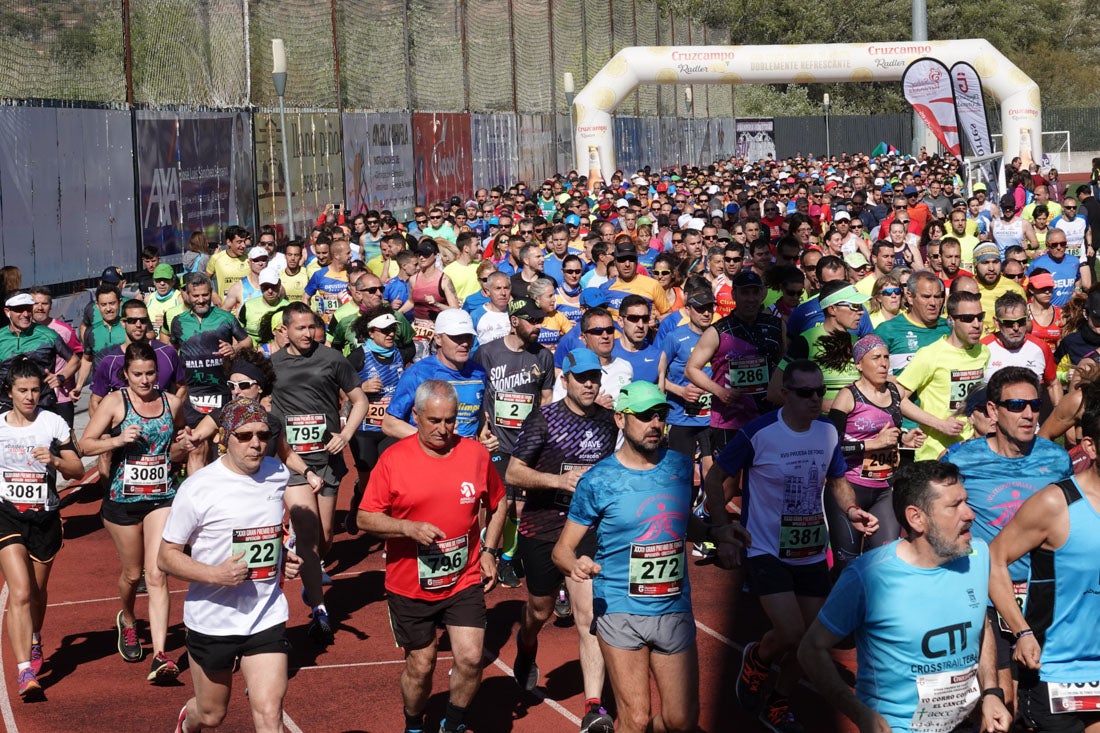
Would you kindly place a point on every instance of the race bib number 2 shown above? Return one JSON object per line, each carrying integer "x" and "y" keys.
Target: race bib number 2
{"x": 512, "y": 408}
{"x": 262, "y": 548}
{"x": 306, "y": 433}
{"x": 24, "y": 489}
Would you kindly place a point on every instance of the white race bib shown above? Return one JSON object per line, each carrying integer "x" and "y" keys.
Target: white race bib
{"x": 306, "y": 433}
{"x": 145, "y": 475}
{"x": 205, "y": 403}
{"x": 24, "y": 489}
{"x": 944, "y": 700}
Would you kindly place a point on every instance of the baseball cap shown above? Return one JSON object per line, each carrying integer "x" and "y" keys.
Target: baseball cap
{"x": 623, "y": 249}
{"x": 747, "y": 279}
{"x": 702, "y": 299}
{"x": 622, "y": 204}
{"x": 987, "y": 250}
{"x": 526, "y": 310}
{"x": 573, "y": 220}
{"x": 581, "y": 360}
{"x": 910, "y": 191}
{"x": 958, "y": 202}
{"x": 111, "y": 275}
{"x": 662, "y": 187}
{"x": 1040, "y": 281}
{"x": 19, "y": 300}
{"x": 979, "y": 186}
{"x": 842, "y": 215}
{"x": 856, "y": 260}
{"x": 383, "y": 321}
{"x": 847, "y": 294}
{"x": 880, "y": 182}
{"x": 454, "y": 322}
{"x": 164, "y": 272}
{"x": 639, "y": 396}
{"x": 427, "y": 247}
{"x": 594, "y": 297}
{"x": 1008, "y": 201}
{"x": 696, "y": 223}
{"x": 976, "y": 400}
{"x": 257, "y": 252}
{"x": 269, "y": 276}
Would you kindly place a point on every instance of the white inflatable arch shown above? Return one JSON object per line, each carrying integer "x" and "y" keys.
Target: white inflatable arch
{"x": 1017, "y": 94}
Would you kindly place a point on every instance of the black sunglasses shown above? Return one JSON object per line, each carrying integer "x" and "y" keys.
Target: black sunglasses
{"x": 969, "y": 317}
{"x": 808, "y": 392}
{"x": 246, "y": 436}
{"x": 636, "y": 318}
{"x": 373, "y": 289}
{"x": 1020, "y": 405}
{"x": 1014, "y": 322}
{"x": 603, "y": 331}
{"x": 661, "y": 413}
{"x": 132, "y": 321}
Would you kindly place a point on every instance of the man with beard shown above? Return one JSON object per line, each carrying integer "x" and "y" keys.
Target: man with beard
{"x": 991, "y": 283}
{"x": 1012, "y": 345}
{"x": 1002, "y": 470}
{"x": 921, "y": 666}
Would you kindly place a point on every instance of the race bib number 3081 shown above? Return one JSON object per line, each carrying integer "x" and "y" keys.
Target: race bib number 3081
{"x": 24, "y": 489}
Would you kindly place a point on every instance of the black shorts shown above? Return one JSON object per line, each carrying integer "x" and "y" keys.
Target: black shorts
{"x": 542, "y": 576}
{"x": 38, "y": 531}
{"x": 689, "y": 439}
{"x": 1034, "y": 709}
{"x": 414, "y": 622}
{"x": 1003, "y": 639}
{"x": 127, "y": 514}
{"x": 331, "y": 469}
{"x": 769, "y": 575}
{"x": 217, "y": 653}
{"x": 500, "y": 463}
{"x": 719, "y": 437}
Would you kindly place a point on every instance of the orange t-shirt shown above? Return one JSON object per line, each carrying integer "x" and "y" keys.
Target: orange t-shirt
{"x": 448, "y": 492}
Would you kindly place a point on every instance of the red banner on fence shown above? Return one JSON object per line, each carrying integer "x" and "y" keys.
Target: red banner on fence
{"x": 444, "y": 164}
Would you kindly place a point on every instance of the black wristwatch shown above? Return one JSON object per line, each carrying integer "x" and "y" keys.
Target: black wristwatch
{"x": 494, "y": 551}
{"x": 996, "y": 692}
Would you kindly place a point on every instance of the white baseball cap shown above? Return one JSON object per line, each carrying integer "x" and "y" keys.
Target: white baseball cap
{"x": 269, "y": 276}
{"x": 454, "y": 322}
{"x": 257, "y": 252}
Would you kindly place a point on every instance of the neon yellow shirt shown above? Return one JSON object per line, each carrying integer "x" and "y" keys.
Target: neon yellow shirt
{"x": 989, "y": 297}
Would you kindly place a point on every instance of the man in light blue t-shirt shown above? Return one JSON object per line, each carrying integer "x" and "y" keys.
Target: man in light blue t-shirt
{"x": 925, "y": 652}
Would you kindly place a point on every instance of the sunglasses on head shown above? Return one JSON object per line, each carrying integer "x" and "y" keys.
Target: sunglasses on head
{"x": 1020, "y": 405}
{"x": 969, "y": 317}
{"x": 808, "y": 392}
{"x": 243, "y": 384}
{"x": 246, "y": 436}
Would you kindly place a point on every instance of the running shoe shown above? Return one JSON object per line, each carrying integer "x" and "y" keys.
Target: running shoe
{"x": 705, "y": 550}
{"x": 597, "y": 720}
{"x": 182, "y": 718}
{"x": 563, "y": 608}
{"x": 507, "y": 574}
{"x": 326, "y": 579}
{"x": 29, "y": 688}
{"x": 320, "y": 630}
{"x": 128, "y": 645}
{"x": 36, "y": 656}
{"x": 163, "y": 670}
{"x": 750, "y": 680}
{"x": 777, "y": 716}
{"x": 444, "y": 729}
{"x": 525, "y": 671}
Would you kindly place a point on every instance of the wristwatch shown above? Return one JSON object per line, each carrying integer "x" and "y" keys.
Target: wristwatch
{"x": 494, "y": 551}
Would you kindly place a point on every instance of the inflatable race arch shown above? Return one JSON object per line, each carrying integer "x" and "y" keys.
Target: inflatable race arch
{"x": 1017, "y": 94}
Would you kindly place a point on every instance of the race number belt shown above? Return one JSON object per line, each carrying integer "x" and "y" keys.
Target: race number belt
{"x": 262, "y": 548}
{"x": 562, "y": 499}
{"x": 701, "y": 406}
{"x": 1074, "y": 697}
{"x": 375, "y": 412}
{"x": 962, "y": 381}
{"x": 1019, "y": 591}
{"x": 145, "y": 475}
{"x": 749, "y": 374}
{"x": 306, "y": 433}
{"x": 25, "y": 490}
{"x": 510, "y": 409}
{"x": 205, "y": 403}
{"x": 423, "y": 329}
{"x": 802, "y": 535}
{"x": 656, "y": 569}
{"x": 441, "y": 563}
{"x": 880, "y": 464}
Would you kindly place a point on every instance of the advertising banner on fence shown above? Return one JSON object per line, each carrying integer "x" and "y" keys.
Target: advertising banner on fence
{"x": 535, "y": 138}
{"x": 927, "y": 86}
{"x": 755, "y": 138}
{"x": 378, "y": 153}
{"x": 315, "y": 152}
{"x": 441, "y": 145}
{"x": 970, "y": 108}
{"x": 194, "y": 173}
{"x": 493, "y": 149}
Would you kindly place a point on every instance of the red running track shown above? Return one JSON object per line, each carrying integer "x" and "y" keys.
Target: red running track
{"x": 351, "y": 686}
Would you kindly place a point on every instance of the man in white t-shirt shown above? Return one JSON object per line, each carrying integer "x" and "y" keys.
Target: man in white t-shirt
{"x": 231, "y": 514}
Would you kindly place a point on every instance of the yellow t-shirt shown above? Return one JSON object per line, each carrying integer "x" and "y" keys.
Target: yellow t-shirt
{"x": 942, "y": 376}
{"x": 226, "y": 270}
{"x": 989, "y": 297}
{"x": 374, "y": 265}
{"x": 966, "y": 250}
{"x": 646, "y": 287}
{"x": 295, "y": 285}
{"x": 158, "y": 308}
{"x": 464, "y": 278}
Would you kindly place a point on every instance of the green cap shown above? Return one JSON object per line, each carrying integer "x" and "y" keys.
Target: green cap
{"x": 639, "y": 397}
{"x": 847, "y": 294}
{"x": 164, "y": 272}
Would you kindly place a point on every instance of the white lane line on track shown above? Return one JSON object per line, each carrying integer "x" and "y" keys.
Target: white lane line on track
{"x": 360, "y": 664}
{"x": 740, "y": 648}
{"x": 542, "y": 696}
{"x": 289, "y": 724}
{"x": 5, "y": 701}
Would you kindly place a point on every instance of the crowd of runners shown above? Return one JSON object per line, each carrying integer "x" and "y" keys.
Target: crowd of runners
{"x": 859, "y": 385}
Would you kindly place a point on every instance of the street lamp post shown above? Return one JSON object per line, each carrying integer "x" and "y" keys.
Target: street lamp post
{"x": 828, "y": 137}
{"x": 278, "y": 78}
{"x": 689, "y": 99}
{"x": 570, "y": 95}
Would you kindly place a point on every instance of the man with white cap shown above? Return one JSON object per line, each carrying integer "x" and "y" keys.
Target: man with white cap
{"x": 254, "y": 309}
{"x": 41, "y": 344}
{"x": 247, "y": 287}
{"x": 454, "y": 340}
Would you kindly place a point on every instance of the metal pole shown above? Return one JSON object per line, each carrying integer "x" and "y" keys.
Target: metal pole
{"x": 919, "y": 9}
{"x": 828, "y": 137}
{"x": 278, "y": 79}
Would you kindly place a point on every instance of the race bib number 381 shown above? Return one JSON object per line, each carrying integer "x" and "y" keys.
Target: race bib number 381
{"x": 306, "y": 433}
{"x": 262, "y": 548}
{"x": 802, "y": 535}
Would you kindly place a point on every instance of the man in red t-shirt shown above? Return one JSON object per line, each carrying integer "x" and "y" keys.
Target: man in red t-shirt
{"x": 425, "y": 498}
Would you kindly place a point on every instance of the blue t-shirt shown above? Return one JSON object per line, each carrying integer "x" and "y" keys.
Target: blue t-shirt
{"x": 645, "y": 362}
{"x": 396, "y": 289}
{"x": 996, "y": 486}
{"x": 570, "y": 340}
{"x": 677, "y": 348}
{"x": 808, "y": 314}
{"x": 917, "y": 633}
{"x": 669, "y": 324}
{"x": 1065, "y": 273}
{"x": 469, "y": 382}
{"x": 641, "y": 534}
{"x": 473, "y": 301}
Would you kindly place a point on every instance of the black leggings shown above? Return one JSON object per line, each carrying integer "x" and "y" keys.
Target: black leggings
{"x": 848, "y": 543}
{"x": 366, "y": 446}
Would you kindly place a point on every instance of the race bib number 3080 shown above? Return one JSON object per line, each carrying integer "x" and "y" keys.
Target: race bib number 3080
{"x": 145, "y": 475}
